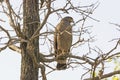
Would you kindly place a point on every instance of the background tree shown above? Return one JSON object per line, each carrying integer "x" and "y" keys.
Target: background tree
{"x": 35, "y": 22}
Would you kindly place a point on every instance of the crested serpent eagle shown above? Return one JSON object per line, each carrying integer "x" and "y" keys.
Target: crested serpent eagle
{"x": 63, "y": 41}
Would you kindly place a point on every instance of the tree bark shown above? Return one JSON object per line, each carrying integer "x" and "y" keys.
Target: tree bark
{"x": 30, "y": 48}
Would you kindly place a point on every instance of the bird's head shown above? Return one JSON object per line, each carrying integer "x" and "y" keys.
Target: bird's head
{"x": 68, "y": 19}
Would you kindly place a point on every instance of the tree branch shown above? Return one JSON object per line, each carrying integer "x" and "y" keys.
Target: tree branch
{"x": 105, "y": 75}
{"x": 45, "y": 19}
{"x": 42, "y": 72}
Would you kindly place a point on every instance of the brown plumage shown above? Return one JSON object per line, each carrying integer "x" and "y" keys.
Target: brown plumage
{"x": 63, "y": 41}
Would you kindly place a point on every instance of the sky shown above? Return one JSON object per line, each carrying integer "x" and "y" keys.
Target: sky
{"x": 107, "y": 11}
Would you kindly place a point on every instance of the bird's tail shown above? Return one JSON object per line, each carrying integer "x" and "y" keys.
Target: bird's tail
{"x": 61, "y": 66}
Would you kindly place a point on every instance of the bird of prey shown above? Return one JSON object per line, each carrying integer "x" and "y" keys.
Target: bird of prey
{"x": 63, "y": 41}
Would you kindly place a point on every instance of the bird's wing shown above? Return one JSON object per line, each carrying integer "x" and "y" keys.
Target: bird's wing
{"x": 55, "y": 41}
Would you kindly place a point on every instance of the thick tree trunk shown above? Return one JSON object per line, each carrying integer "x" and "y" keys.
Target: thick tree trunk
{"x": 30, "y": 49}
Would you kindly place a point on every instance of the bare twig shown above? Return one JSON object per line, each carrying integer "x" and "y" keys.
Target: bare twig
{"x": 105, "y": 75}
{"x": 42, "y": 72}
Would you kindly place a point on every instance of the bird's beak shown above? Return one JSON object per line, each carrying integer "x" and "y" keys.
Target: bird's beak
{"x": 72, "y": 22}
